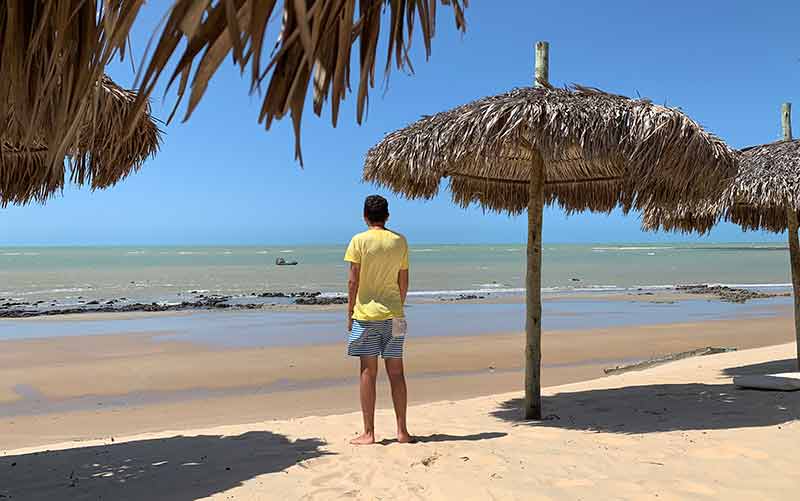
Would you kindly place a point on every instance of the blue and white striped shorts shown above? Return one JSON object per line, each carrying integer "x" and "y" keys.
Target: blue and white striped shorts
{"x": 374, "y": 337}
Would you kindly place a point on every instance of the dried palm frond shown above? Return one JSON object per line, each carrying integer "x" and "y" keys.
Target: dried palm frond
{"x": 599, "y": 150}
{"x": 766, "y": 186}
{"x": 699, "y": 218}
{"x": 314, "y": 43}
{"x": 104, "y": 152}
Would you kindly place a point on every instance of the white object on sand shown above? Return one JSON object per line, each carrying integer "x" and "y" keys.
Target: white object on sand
{"x": 788, "y": 381}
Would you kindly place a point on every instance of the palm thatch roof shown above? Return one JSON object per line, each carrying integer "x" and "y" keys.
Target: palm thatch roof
{"x": 599, "y": 150}
{"x": 767, "y": 184}
{"x": 314, "y": 44}
{"x": 103, "y": 151}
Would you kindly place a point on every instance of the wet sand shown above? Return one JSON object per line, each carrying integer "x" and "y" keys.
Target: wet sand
{"x": 88, "y": 387}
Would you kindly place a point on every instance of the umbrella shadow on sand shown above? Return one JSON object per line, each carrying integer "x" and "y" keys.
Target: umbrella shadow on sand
{"x": 772, "y": 367}
{"x": 175, "y": 468}
{"x": 660, "y": 408}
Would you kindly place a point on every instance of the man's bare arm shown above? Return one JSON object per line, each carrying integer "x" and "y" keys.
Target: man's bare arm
{"x": 352, "y": 292}
{"x": 402, "y": 282}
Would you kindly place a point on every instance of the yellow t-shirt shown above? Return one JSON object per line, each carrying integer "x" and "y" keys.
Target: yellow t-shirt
{"x": 381, "y": 254}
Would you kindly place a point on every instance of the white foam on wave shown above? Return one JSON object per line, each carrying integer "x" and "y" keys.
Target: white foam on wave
{"x": 465, "y": 291}
{"x": 285, "y": 251}
{"x": 753, "y": 286}
{"x": 54, "y": 291}
{"x": 424, "y": 250}
{"x": 629, "y": 248}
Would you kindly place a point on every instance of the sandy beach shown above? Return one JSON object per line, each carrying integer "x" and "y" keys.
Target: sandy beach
{"x": 99, "y": 386}
{"x": 678, "y": 431}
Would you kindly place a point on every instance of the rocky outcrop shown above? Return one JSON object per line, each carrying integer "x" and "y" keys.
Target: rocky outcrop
{"x": 728, "y": 294}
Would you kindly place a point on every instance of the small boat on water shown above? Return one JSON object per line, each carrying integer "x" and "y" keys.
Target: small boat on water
{"x": 282, "y": 262}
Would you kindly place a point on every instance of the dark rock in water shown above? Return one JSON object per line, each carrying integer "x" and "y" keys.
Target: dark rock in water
{"x": 463, "y": 297}
{"x": 203, "y": 302}
{"x": 575, "y": 279}
{"x": 727, "y": 294}
{"x": 270, "y": 294}
{"x": 315, "y": 300}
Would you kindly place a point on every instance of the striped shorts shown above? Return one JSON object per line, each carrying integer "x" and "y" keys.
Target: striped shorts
{"x": 374, "y": 337}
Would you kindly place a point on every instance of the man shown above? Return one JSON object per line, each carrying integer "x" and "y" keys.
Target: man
{"x": 377, "y": 287}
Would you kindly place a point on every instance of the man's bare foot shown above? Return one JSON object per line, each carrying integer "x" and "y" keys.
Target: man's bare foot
{"x": 365, "y": 439}
{"x": 405, "y": 438}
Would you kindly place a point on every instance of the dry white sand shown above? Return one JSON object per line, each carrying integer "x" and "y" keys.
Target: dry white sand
{"x": 679, "y": 431}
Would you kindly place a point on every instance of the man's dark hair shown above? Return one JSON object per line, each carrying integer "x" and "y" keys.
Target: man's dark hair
{"x": 376, "y": 209}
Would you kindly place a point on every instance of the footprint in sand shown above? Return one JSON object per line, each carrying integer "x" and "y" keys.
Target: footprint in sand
{"x": 573, "y": 482}
{"x": 730, "y": 452}
{"x": 696, "y": 488}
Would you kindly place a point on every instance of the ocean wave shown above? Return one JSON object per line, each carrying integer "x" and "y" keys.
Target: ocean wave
{"x": 629, "y": 248}
{"x": 286, "y": 251}
{"x": 53, "y": 291}
{"x": 424, "y": 250}
{"x": 752, "y": 286}
{"x": 455, "y": 292}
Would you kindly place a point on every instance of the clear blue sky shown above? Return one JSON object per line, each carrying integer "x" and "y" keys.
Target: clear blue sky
{"x": 221, "y": 179}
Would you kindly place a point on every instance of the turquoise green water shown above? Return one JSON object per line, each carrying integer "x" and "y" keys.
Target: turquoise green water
{"x": 161, "y": 273}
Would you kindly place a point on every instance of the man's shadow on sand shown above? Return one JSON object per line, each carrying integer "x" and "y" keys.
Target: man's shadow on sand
{"x": 666, "y": 407}
{"x": 176, "y": 468}
{"x": 443, "y": 437}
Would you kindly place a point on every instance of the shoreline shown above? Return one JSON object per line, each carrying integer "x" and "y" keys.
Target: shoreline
{"x": 318, "y": 301}
{"x": 94, "y": 386}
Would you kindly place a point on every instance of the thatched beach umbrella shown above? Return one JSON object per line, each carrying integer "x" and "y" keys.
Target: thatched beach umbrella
{"x": 764, "y": 196}
{"x": 52, "y": 52}
{"x": 580, "y": 148}
{"x": 104, "y": 151}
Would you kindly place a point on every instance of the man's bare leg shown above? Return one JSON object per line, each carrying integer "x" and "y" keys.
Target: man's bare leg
{"x": 369, "y": 371}
{"x": 397, "y": 380}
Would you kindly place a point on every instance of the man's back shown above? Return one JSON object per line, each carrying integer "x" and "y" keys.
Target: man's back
{"x": 380, "y": 254}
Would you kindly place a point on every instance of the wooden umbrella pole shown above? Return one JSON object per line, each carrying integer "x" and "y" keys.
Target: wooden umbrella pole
{"x": 794, "y": 243}
{"x": 533, "y": 276}
{"x": 533, "y": 303}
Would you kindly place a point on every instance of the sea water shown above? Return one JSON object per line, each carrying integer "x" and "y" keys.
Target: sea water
{"x": 69, "y": 275}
